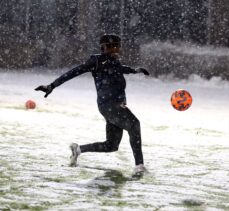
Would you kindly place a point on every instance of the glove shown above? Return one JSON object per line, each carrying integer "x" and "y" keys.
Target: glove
{"x": 142, "y": 70}
{"x": 47, "y": 89}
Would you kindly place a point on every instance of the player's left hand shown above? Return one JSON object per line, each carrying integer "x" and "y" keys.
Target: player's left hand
{"x": 142, "y": 70}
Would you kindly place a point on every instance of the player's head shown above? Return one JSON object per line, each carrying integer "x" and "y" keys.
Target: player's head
{"x": 110, "y": 43}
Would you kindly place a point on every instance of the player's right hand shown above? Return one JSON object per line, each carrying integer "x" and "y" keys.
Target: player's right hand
{"x": 47, "y": 89}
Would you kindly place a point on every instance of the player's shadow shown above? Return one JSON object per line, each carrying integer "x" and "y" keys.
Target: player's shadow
{"x": 111, "y": 182}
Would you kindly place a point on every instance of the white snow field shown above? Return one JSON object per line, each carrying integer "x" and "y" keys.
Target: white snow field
{"x": 186, "y": 153}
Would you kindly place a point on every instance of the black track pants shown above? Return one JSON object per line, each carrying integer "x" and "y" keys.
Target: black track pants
{"x": 118, "y": 118}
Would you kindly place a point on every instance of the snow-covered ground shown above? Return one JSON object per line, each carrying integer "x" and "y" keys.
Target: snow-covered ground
{"x": 186, "y": 153}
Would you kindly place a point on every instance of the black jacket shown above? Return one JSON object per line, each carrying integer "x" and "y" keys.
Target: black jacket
{"x": 107, "y": 72}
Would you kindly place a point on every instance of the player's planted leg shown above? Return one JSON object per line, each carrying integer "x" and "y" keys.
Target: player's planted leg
{"x": 123, "y": 118}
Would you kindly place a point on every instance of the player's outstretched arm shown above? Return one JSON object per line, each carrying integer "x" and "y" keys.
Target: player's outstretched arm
{"x": 80, "y": 69}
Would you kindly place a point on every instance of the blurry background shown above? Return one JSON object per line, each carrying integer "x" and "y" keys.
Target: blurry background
{"x": 178, "y": 37}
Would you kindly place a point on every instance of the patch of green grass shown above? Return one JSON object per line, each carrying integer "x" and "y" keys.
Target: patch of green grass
{"x": 25, "y": 206}
{"x": 4, "y": 181}
{"x": 160, "y": 128}
{"x": 192, "y": 203}
{"x": 5, "y": 209}
{"x": 86, "y": 174}
{"x": 115, "y": 203}
{"x": 57, "y": 179}
{"x": 16, "y": 107}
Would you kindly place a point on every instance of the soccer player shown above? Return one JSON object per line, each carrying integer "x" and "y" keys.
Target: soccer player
{"x": 108, "y": 74}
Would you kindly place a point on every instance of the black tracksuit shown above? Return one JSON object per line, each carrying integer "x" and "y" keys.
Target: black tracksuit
{"x": 110, "y": 83}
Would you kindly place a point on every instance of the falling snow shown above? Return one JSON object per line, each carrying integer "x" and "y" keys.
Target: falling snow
{"x": 186, "y": 153}
{"x": 182, "y": 43}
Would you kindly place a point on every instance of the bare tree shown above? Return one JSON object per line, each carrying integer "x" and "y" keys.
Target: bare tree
{"x": 218, "y": 33}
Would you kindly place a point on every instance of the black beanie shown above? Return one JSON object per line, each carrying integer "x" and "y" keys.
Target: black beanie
{"x": 109, "y": 39}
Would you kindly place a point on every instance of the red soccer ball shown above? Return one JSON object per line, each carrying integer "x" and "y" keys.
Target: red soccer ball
{"x": 181, "y": 100}
{"x": 30, "y": 104}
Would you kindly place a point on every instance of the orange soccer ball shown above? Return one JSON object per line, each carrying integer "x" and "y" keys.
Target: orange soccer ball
{"x": 181, "y": 100}
{"x": 30, "y": 104}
